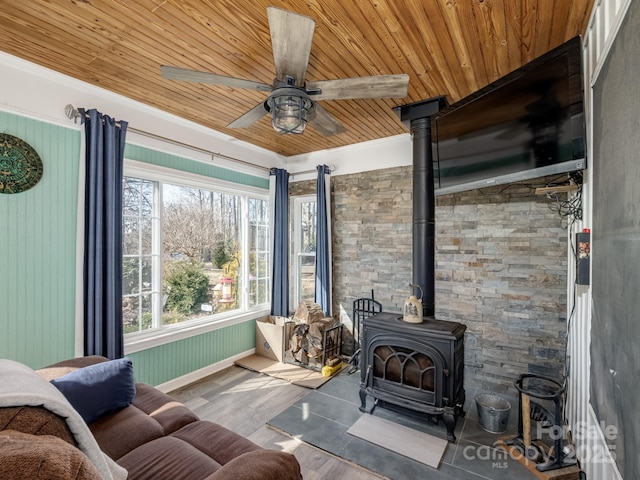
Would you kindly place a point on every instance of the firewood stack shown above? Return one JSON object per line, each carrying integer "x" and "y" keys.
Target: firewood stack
{"x": 306, "y": 336}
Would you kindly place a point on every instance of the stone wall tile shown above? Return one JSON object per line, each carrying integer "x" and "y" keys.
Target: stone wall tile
{"x": 501, "y": 260}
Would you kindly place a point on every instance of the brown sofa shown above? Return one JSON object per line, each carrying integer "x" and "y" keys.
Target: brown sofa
{"x": 155, "y": 437}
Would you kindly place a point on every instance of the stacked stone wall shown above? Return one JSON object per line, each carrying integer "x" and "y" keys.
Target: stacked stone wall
{"x": 501, "y": 260}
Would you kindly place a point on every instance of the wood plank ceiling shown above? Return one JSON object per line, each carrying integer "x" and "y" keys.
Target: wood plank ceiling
{"x": 448, "y": 47}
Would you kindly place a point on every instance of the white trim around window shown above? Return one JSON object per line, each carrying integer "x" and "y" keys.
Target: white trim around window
{"x": 174, "y": 333}
{"x": 297, "y": 247}
{"x": 148, "y": 171}
{"x": 136, "y": 342}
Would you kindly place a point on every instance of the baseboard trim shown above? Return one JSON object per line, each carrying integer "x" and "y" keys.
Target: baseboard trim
{"x": 199, "y": 374}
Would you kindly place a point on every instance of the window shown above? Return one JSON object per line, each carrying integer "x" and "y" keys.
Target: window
{"x": 259, "y": 273}
{"x": 191, "y": 252}
{"x": 304, "y": 248}
{"x": 140, "y": 221}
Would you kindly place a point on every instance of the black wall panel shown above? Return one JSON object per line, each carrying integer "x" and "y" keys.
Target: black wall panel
{"x": 615, "y": 332}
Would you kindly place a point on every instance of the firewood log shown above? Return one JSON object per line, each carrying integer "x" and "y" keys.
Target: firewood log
{"x": 308, "y": 312}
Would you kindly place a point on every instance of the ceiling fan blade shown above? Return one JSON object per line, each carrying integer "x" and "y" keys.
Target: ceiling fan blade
{"x": 324, "y": 122}
{"x": 379, "y": 86}
{"x": 250, "y": 117}
{"x": 291, "y": 37}
{"x": 175, "y": 73}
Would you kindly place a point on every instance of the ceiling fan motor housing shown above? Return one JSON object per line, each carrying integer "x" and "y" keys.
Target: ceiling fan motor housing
{"x": 289, "y": 108}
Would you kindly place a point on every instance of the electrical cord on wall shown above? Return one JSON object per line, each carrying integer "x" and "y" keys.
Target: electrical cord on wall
{"x": 566, "y": 370}
{"x": 570, "y": 209}
{"x": 570, "y": 318}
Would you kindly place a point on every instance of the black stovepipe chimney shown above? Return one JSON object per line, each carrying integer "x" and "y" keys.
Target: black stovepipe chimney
{"x": 424, "y": 214}
{"x": 418, "y": 116}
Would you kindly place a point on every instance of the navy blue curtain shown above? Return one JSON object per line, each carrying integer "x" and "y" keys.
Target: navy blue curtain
{"x": 280, "y": 268}
{"x": 104, "y": 142}
{"x": 323, "y": 242}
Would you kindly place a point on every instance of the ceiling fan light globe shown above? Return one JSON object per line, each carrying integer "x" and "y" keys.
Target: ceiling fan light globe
{"x": 289, "y": 112}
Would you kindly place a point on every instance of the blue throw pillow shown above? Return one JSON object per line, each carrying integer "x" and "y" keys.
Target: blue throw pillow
{"x": 99, "y": 389}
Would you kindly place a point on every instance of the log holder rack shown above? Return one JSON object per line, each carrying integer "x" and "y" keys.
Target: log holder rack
{"x": 331, "y": 345}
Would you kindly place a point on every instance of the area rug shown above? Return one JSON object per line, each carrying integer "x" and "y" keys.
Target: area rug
{"x": 303, "y": 377}
{"x": 323, "y": 416}
{"x": 405, "y": 441}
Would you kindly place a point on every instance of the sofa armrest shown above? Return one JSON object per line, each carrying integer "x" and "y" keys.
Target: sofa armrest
{"x": 41, "y": 457}
{"x": 260, "y": 465}
{"x": 67, "y": 366}
{"x": 35, "y": 421}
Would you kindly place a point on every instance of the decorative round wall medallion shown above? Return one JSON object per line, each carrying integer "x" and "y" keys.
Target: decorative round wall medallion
{"x": 20, "y": 165}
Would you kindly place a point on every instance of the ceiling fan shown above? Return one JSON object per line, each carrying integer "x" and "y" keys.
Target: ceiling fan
{"x": 293, "y": 101}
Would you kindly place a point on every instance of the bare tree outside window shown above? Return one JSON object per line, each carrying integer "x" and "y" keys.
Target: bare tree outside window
{"x": 138, "y": 223}
{"x": 200, "y": 240}
{"x": 183, "y": 257}
{"x": 307, "y": 254}
{"x": 259, "y": 285}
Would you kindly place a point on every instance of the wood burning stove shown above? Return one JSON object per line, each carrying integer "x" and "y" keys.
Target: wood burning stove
{"x": 418, "y": 366}
{"x": 415, "y": 366}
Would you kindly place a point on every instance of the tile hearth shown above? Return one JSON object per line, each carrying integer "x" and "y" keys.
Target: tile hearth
{"x": 245, "y": 401}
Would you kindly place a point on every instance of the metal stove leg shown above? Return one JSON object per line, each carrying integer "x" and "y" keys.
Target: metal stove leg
{"x": 363, "y": 400}
{"x": 450, "y": 421}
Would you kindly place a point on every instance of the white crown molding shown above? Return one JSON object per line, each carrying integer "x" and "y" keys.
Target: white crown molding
{"x": 376, "y": 154}
{"x": 37, "y": 92}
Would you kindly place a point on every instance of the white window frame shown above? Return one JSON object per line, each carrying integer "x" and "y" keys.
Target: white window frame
{"x": 155, "y": 257}
{"x": 296, "y": 246}
{"x": 161, "y": 335}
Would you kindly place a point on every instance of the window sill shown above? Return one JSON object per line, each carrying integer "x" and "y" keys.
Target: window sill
{"x": 173, "y": 334}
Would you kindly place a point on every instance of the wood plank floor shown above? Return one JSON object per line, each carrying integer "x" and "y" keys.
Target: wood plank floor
{"x": 243, "y": 401}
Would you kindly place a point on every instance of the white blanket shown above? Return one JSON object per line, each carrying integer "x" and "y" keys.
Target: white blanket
{"x": 21, "y": 386}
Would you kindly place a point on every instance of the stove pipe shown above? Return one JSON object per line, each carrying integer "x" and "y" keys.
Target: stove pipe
{"x": 424, "y": 214}
{"x": 417, "y": 116}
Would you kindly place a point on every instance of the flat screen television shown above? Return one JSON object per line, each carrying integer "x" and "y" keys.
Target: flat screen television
{"x": 528, "y": 124}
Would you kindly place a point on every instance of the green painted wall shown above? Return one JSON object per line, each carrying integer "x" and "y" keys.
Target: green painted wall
{"x": 38, "y": 255}
{"x": 166, "y": 362}
{"x": 142, "y": 154}
{"x": 38, "y": 249}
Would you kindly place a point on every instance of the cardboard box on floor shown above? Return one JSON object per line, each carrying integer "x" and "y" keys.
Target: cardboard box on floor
{"x": 269, "y": 355}
{"x": 270, "y": 337}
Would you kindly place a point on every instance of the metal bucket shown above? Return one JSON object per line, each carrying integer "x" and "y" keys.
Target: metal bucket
{"x": 493, "y": 412}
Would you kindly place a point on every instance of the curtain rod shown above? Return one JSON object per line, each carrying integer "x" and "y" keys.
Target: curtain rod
{"x": 72, "y": 113}
{"x": 304, "y": 172}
